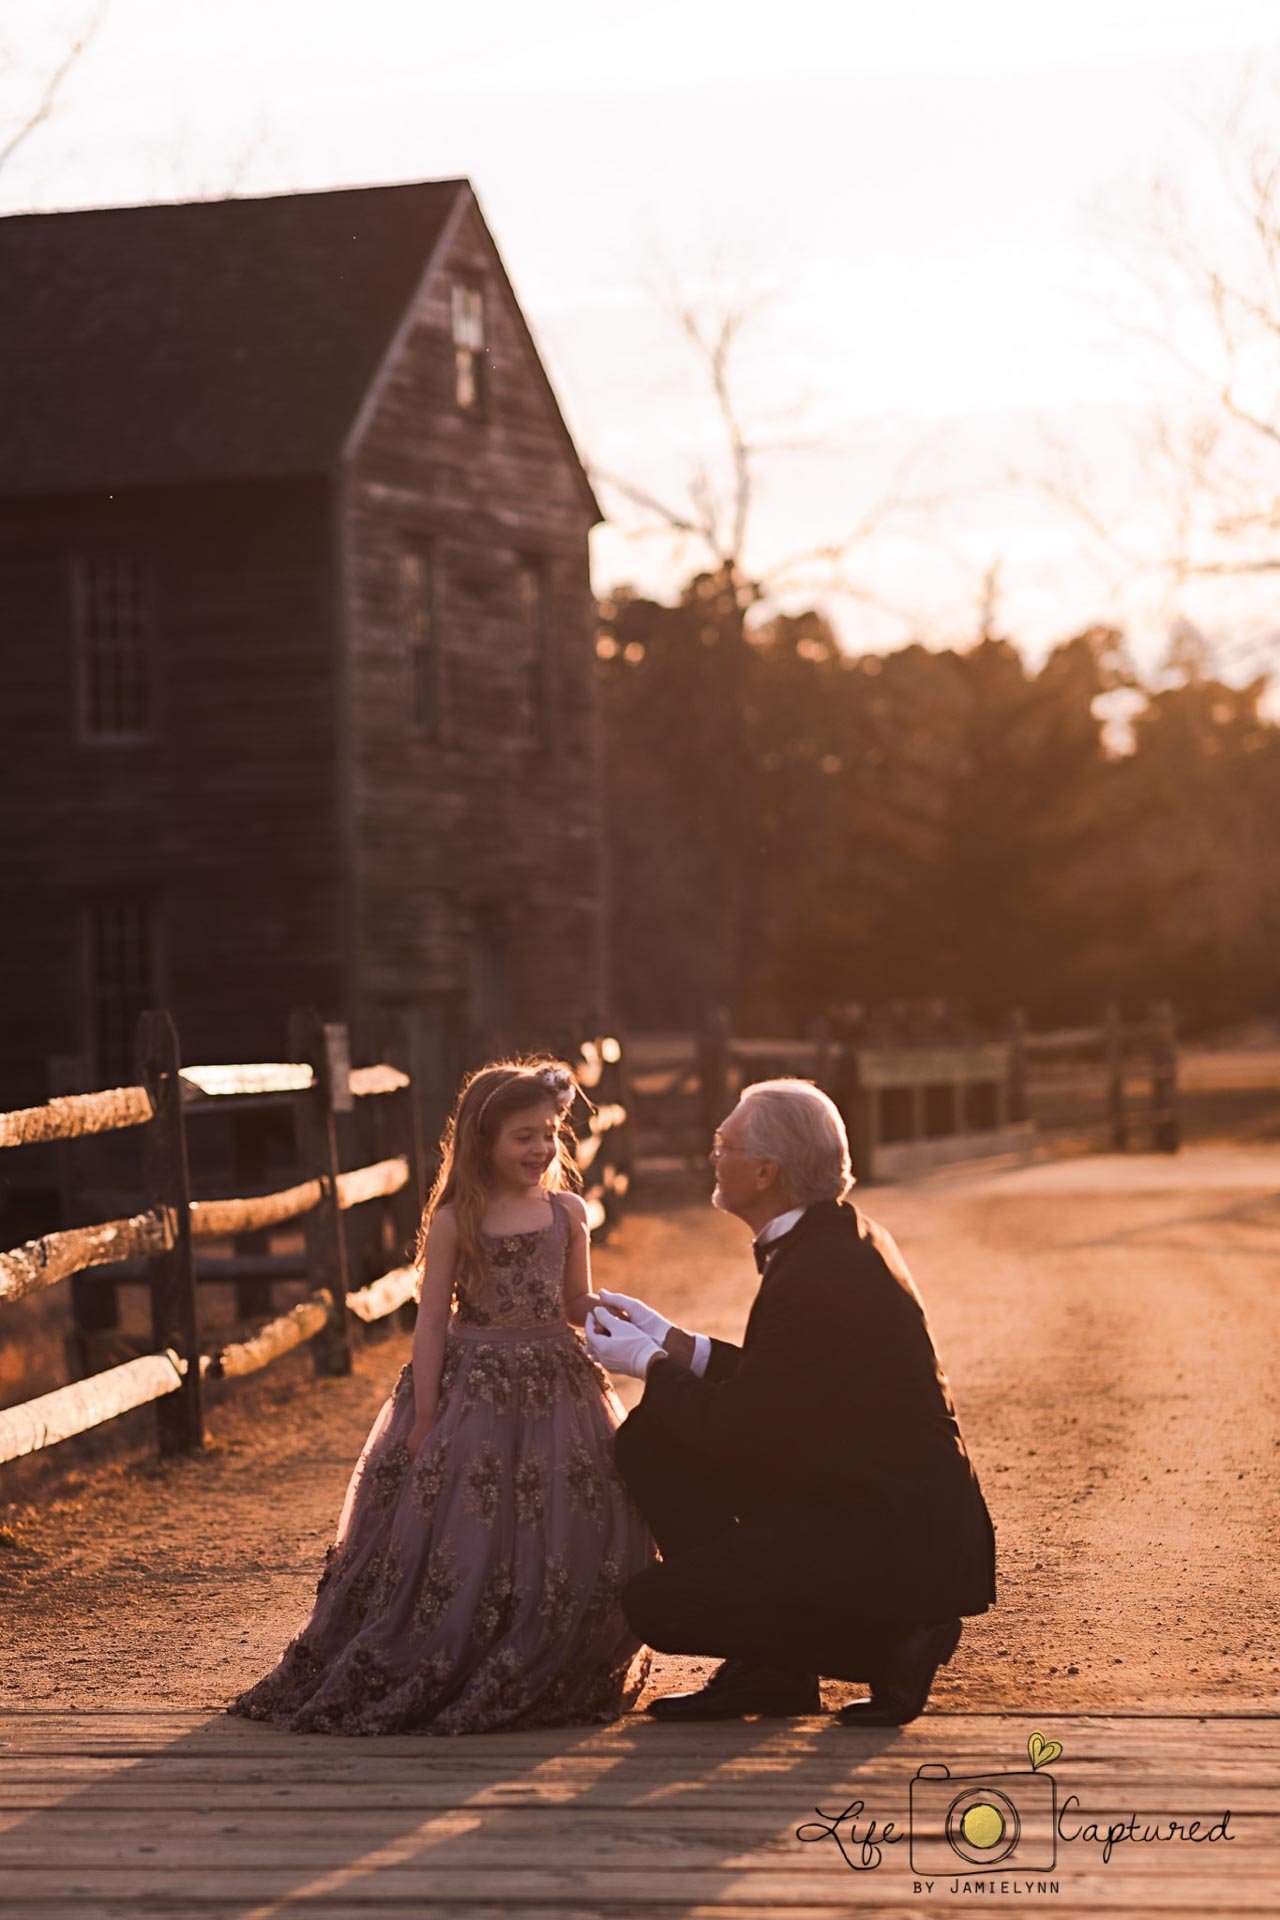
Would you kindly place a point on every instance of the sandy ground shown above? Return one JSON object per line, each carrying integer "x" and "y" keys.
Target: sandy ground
{"x": 1110, "y": 1332}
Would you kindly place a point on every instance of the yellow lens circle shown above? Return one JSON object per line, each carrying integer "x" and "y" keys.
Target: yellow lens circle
{"x": 982, "y": 1825}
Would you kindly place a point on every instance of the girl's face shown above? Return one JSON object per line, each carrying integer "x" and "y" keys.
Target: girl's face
{"x": 525, "y": 1145}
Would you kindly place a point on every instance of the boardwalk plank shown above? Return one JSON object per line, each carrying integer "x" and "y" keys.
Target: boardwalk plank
{"x": 528, "y": 1824}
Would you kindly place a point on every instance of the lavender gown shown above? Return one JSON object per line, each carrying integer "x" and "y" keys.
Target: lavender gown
{"x": 477, "y": 1585}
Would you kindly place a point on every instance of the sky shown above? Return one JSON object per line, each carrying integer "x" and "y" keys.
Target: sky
{"x": 938, "y": 218}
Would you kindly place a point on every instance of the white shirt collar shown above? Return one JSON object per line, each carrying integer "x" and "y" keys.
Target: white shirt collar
{"x": 780, "y": 1224}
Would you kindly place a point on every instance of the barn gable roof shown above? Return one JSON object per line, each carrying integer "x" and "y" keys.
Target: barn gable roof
{"x": 203, "y": 340}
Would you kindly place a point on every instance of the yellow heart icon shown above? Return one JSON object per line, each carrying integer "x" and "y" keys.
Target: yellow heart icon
{"x": 1043, "y": 1752}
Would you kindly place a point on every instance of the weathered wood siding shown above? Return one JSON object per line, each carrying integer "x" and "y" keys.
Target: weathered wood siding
{"x": 228, "y": 814}
{"x": 477, "y": 854}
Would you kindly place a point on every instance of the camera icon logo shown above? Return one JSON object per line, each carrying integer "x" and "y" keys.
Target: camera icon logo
{"x": 1004, "y": 1820}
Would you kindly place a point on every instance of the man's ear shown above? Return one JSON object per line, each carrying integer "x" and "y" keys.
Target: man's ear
{"x": 768, "y": 1172}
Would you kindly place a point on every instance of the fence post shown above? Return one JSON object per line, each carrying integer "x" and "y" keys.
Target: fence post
{"x": 623, "y": 1148}
{"x": 95, "y": 1302}
{"x": 824, "y": 1052}
{"x": 1166, "y": 1132}
{"x": 1113, "y": 1053}
{"x": 174, "y": 1317}
{"x": 713, "y": 1070}
{"x": 400, "y": 1131}
{"x": 323, "y": 1048}
{"x": 862, "y": 1115}
{"x": 1018, "y": 1105}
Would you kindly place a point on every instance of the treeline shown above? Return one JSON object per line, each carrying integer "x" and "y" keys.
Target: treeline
{"x": 794, "y": 830}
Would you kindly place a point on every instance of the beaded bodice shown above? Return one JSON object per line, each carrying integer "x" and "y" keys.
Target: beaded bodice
{"x": 522, "y": 1284}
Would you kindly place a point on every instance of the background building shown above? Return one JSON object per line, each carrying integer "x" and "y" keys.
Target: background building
{"x": 296, "y": 635}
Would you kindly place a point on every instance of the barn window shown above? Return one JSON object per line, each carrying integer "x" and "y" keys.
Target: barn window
{"x": 468, "y": 348}
{"x": 420, "y": 631}
{"x": 537, "y": 652}
{"x": 120, "y": 979}
{"x": 111, "y": 602}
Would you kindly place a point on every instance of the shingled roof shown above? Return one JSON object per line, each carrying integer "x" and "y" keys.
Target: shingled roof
{"x": 203, "y": 340}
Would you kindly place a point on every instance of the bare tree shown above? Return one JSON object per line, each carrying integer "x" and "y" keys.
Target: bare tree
{"x": 722, "y": 488}
{"x": 1208, "y": 258}
{"x": 48, "y": 98}
{"x": 716, "y": 518}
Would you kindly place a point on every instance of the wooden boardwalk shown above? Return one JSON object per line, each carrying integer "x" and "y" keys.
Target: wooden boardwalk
{"x": 111, "y": 1815}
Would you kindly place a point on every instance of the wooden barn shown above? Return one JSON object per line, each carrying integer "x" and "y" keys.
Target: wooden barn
{"x": 296, "y": 636}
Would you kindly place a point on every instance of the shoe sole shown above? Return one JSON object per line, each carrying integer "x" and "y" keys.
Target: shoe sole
{"x": 861, "y": 1711}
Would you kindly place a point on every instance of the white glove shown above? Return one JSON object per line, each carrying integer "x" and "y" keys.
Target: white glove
{"x": 650, "y": 1321}
{"x": 618, "y": 1344}
{"x": 647, "y": 1318}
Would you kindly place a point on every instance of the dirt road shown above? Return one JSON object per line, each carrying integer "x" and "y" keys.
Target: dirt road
{"x": 1109, "y": 1327}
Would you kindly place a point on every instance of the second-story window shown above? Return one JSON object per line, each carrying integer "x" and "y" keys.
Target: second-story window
{"x": 538, "y": 654}
{"x": 111, "y": 612}
{"x": 470, "y": 383}
{"x": 420, "y": 637}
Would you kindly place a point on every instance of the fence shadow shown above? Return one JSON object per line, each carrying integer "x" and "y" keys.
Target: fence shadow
{"x": 248, "y": 1821}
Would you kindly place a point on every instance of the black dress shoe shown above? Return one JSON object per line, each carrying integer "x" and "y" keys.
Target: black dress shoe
{"x": 739, "y": 1687}
{"x": 900, "y": 1692}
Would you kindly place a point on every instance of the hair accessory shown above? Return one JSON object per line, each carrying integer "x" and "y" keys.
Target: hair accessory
{"x": 559, "y": 1084}
{"x": 555, "y": 1081}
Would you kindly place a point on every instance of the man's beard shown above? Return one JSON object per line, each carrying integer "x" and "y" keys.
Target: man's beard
{"x": 717, "y": 1198}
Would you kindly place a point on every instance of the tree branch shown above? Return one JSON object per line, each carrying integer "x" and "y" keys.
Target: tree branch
{"x": 52, "y": 87}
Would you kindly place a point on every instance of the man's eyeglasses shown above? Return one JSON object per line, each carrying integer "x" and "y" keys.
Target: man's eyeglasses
{"x": 720, "y": 1146}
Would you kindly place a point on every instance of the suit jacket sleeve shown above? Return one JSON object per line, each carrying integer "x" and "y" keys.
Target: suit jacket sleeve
{"x": 723, "y": 1360}
{"x": 723, "y": 1416}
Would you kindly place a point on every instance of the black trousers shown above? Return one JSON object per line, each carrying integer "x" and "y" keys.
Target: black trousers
{"x": 758, "y": 1586}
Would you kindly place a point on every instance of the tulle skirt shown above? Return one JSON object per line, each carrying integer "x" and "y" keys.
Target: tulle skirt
{"x": 476, "y": 1586}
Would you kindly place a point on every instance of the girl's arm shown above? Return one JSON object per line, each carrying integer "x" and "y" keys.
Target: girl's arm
{"x": 435, "y": 1300}
{"x": 578, "y": 1297}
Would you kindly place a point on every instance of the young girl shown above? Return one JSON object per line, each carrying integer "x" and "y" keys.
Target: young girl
{"x": 473, "y": 1582}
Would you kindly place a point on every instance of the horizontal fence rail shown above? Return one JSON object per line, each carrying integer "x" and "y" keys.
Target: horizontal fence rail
{"x": 911, "y": 1106}
{"x": 56, "y": 1256}
{"x": 158, "y": 1244}
{"x": 71, "y": 1116}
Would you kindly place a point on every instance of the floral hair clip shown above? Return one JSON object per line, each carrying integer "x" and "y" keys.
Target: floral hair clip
{"x": 558, "y": 1082}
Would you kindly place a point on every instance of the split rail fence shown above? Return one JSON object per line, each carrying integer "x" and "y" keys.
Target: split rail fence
{"x": 913, "y": 1106}
{"x": 161, "y": 1239}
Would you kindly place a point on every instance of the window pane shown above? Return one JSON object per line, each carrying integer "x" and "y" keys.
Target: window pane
{"x": 112, "y": 646}
{"x": 420, "y": 641}
{"x": 537, "y": 644}
{"x": 468, "y": 317}
{"x": 121, "y": 977}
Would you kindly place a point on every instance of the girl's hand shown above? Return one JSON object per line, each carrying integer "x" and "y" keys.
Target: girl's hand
{"x": 419, "y": 1431}
{"x": 589, "y": 1301}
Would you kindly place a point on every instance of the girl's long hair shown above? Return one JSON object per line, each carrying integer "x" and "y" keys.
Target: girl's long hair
{"x": 487, "y": 1098}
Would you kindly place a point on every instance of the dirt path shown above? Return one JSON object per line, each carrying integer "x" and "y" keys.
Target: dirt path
{"x": 1110, "y": 1332}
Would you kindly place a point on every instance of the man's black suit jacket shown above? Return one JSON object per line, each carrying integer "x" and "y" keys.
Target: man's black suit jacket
{"x": 835, "y": 1407}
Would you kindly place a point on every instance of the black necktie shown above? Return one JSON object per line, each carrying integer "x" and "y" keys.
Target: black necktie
{"x": 761, "y": 1249}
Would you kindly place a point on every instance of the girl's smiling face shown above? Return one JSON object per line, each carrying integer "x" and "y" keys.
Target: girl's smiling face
{"x": 525, "y": 1145}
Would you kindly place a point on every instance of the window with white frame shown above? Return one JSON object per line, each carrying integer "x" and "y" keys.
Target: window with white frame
{"x": 470, "y": 385}
{"x": 421, "y": 640}
{"x": 120, "y": 974}
{"x": 538, "y": 643}
{"x": 111, "y": 610}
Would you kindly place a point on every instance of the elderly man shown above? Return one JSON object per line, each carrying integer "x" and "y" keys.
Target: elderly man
{"x": 810, "y": 1490}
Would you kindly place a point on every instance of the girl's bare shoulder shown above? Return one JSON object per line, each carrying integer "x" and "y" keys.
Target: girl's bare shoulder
{"x": 444, "y": 1222}
{"x": 574, "y": 1205}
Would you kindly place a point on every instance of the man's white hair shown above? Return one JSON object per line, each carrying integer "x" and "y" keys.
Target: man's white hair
{"x": 795, "y": 1123}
